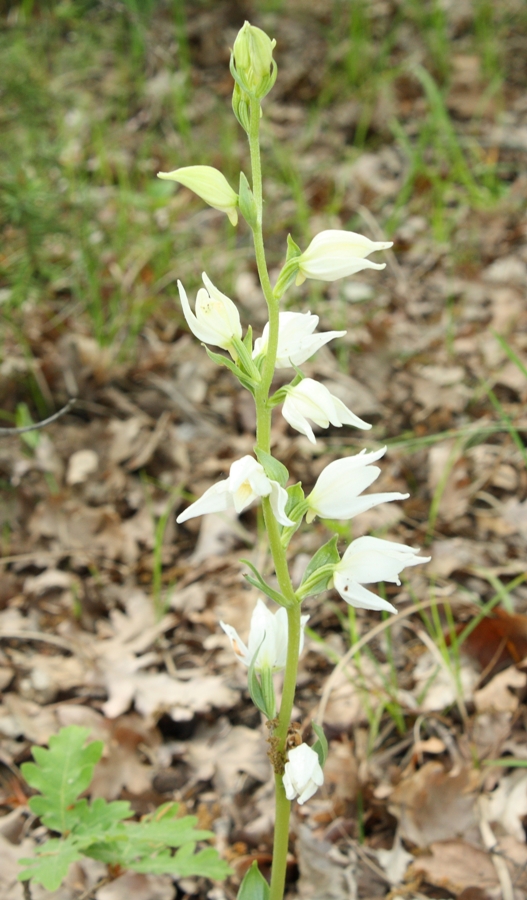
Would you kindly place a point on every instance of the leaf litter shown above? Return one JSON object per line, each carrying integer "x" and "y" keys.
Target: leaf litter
{"x": 409, "y": 804}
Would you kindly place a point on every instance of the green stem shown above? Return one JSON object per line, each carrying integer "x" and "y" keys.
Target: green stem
{"x": 263, "y": 442}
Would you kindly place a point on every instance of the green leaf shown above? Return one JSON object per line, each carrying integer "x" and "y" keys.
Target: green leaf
{"x": 206, "y": 863}
{"x": 256, "y": 690}
{"x": 50, "y": 867}
{"x": 258, "y": 582}
{"x": 295, "y": 508}
{"x": 61, "y": 774}
{"x": 248, "y": 340}
{"x": 229, "y": 364}
{"x": 247, "y": 203}
{"x": 254, "y": 886}
{"x": 321, "y": 745}
{"x": 274, "y": 469}
{"x": 100, "y": 816}
{"x": 323, "y": 562}
{"x": 293, "y": 250}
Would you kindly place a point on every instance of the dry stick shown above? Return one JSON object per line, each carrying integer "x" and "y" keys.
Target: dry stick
{"x": 90, "y": 893}
{"x": 27, "y": 890}
{"x": 37, "y": 425}
{"x": 342, "y": 663}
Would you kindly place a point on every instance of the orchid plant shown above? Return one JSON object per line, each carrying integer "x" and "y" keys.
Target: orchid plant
{"x": 288, "y": 340}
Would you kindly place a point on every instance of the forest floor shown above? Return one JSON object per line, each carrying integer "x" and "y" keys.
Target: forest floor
{"x": 405, "y": 121}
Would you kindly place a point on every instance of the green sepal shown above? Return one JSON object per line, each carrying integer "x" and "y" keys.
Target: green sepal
{"x": 295, "y": 509}
{"x": 259, "y": 583}
{"x": 274, "y": 469}
{"x": 247, "y": 203}
{"x": 319, "y": 571}
{"x": 254, "y": 886}
{"x": 293, "y": 249}
{"x": 229, "y": 364}
{"x": 321, "y": 745}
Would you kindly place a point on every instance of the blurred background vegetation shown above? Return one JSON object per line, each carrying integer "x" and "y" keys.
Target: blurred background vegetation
{"x": 99, "y": 95}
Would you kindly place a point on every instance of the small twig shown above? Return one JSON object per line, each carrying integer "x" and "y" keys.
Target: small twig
{"x": 90, "y": 893}
{"x": 37, "y": 425}
{"x": 27, "y": 890}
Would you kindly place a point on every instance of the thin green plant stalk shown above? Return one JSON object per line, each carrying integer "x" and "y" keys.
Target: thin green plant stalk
{"x": 263, "y": 442}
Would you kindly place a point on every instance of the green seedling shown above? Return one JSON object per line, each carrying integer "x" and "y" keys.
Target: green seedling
{"x": 101, "y": 830}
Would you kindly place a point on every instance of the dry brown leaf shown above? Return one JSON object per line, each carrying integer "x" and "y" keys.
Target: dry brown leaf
{"x": 225, "y": 751}
{"x": 135, "y": 886}
{"x": 325, "y": 872}
{"x": 456, "y": 865}
{"x": 507, "y": 804}
{"x": 497, "y": 695}
{"x": 81, "y": 465}
{"x": 434, "y": 805}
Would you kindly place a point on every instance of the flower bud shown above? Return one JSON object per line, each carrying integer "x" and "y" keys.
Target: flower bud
{"x": 303, "y": 773}
{"x": 209, "y": 184}
{"x": 336, "y": 254}
{"x": 254, "y": 66}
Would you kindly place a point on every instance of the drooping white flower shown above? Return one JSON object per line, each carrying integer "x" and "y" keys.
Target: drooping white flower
{"x": 368, "y": 560}
{"x": 303, "y": 773}
{"x": 296, "y": 341}
{"x": 336, "y": 492}
{"x": 209, "y": 184}
{"x": 267, "y": 638}
{"x": 336, "y": 254}
{"x": 247, "y": 482}
{"x": 312, "y": 400}
{"x": 217, "y": 320}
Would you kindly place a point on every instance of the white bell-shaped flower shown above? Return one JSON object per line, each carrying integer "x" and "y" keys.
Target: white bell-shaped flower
{"x": 303, "y": 773}
{"x": 368, "y": 560}
{"x": 246, "y": 483}
{"x": 267, "y": 642}
{"x": 296, "y": 341}
{"x": 337, "y": 489}
{"x": 209, "y": 184}
{"x": 336, "y": 254}
{"x": 217, "y": 320}
{"x": 312, "y": 400}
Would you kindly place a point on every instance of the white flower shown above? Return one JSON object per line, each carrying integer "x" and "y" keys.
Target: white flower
{"x": 303, "y": 773}
{"x": 296, "y": 341}
{"x": 368, "y": 560}
{"x": 336, "y": 492}
{"x": 247, "y": 482}
{"x": 217, "y": 321}
{"x": 209, "y": 184}
{"x": 311, "y": 400}
{"x": 336, "y": 254}
{"x": 267, "y": 638}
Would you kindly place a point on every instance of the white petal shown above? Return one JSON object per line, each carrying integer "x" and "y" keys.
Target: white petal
{"x": 279, "y": 498}
{"x": 198, "y": 329}
{"x": 237, "y": 644}
{"x": 231, "y": 310}
{"x": 370, "y": 559}
{"x": 262, "y": 637}
{"x": 358, "y": 596}
{"x": 296, "y": 419}
{"x": 345, "y": 416}
{"x": 215, "y": 499}
{"x": 336, "y": 254}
